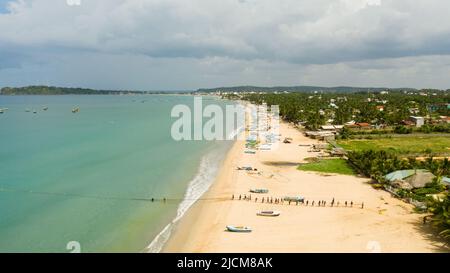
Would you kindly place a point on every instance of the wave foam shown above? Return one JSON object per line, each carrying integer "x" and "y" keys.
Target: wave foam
{"x": 197, "y": 187}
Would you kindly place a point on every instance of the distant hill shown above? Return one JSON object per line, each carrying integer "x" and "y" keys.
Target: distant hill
{"x": 52, "y": 90}
{"x": 339, "y": 89}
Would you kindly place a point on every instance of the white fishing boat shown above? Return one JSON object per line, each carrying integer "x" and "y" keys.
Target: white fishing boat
{"x": 76, "y": 110}
{"x": 265, "y": 147}
{"x": 259, "y": 190}
{"x": 239, "y": 229}
{"x": 1, "y": 111}
{"x": 270, "y": 213}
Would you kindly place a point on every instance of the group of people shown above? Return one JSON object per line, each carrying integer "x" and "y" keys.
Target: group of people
{"x": 320, "y": 203}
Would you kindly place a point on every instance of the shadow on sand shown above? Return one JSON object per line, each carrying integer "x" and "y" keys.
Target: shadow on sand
{"x": 431, "y": 234}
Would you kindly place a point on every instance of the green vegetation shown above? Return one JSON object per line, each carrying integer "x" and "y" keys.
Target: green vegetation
{"x": 339, "y": 89}
{"x": 314, "y": 109}
{"x": 407, "y": 145}
{"x": 52, "y": 90}
{"x": 377, "y": 164}
{"x": 347, "y": 133}
{"x": 441, "y": 215}
{"x": 338, "y": 166}
{"x": 386, "y": 146}
{"x": 421, "y": 194}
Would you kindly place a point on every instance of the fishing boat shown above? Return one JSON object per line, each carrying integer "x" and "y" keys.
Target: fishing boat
{"x": 76, "y": 110}
{"x": 27, "y": 110}
{"x": 45, "y": 108}
{"x": 239, "y": 229}
{"x": 270, "y": 213}
{"x": 34, "y": 112}
{"x": 245, "y": 168}
{"x": 259, "y": 191}
{"x": 294, "y": 199}
{"x": 265, "y": 147}
{"x": 2, "y": 111}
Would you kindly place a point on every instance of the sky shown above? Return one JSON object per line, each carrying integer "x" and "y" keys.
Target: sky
{"x": 190, "y": 44}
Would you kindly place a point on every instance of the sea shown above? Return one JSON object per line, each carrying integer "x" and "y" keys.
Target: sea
{"x": 108, "y": 178}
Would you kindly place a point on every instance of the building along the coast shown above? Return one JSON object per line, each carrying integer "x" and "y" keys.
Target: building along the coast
{"x": 410, "y": 179}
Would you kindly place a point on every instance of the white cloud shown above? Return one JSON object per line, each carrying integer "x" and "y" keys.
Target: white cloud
{"x": 297, "y": 33}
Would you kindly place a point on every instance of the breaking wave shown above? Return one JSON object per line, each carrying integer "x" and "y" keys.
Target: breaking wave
{"x": 204, "y": 178}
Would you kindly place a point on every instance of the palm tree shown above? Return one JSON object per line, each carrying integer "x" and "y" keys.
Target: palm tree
{"x": 441, "y": 215}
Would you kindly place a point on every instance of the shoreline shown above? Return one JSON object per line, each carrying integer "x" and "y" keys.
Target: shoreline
{"x": 220, "y": 188}
{"x": 385, "y": 224}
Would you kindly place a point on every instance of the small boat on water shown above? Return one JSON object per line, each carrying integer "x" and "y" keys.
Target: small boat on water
{"x": 34, "y": 112}
{"x": 2, "y": 111}
{"x": 270, "y": 213}
{"x": 45, "y": 108}
{"x": 259, "y": 190}
{"x": 239, "y": 229}
{"x": 76, "y": 110}
{"x": 27, "y": 110}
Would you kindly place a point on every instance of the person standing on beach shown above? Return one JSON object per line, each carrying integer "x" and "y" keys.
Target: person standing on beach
{"x": 312, "y": 204}
{"x": 362, "y": 205}
{"x": 345, "y": 203}
{"x": 232, "y": 197}
{"x": 351, "y": 204}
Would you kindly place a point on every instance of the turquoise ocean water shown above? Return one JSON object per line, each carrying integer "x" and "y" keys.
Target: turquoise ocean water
{"x": 117, "y": 148}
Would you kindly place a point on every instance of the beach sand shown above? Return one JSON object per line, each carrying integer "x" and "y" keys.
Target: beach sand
{"x": 385, "y": 224}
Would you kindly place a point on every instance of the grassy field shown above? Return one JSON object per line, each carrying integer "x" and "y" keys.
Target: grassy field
{"x": 403, "y": 145}
{"x": 338, "y": 166}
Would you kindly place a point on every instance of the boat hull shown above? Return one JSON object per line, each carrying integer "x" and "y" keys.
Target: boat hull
{"x": 239, "y": 229}
{"x": 268, "y": 213}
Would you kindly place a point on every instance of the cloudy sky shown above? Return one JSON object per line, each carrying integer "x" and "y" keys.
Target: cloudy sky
{"x": 190, "y": 44}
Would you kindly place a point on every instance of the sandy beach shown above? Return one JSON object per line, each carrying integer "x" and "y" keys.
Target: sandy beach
{"x": 385, "y": 224}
